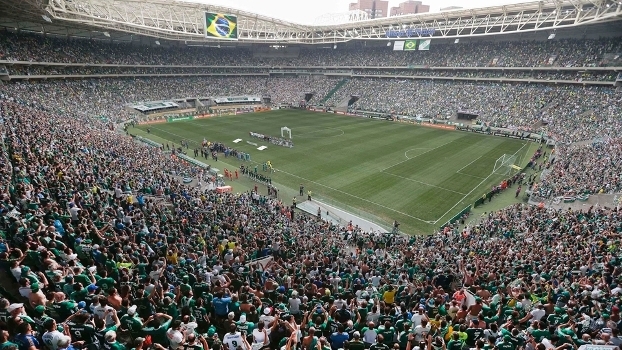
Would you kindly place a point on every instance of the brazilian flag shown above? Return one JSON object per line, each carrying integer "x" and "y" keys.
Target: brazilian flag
{"x": 221, "y": 26}
{"x": 410, "y": 45}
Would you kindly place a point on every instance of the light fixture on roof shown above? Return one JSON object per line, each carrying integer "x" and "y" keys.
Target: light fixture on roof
{"x": 106, "y": 34}
{"x": 552, "y": 36}
{"x": 46, "y": 18}
{"x": 456, "y": 41}
{"x": 389, "y": 43}
{"x": 157, "y": 42}
{"x": 335, "y": 47}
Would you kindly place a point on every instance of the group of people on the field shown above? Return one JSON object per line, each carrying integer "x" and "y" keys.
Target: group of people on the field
{"x": 279, "y": 141}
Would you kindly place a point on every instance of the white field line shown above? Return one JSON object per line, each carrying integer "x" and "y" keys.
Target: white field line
{"x": 407, "y": 158}
{"x": 331, "y": 188}
{"x": 473, "y": 190}
{"x": 354, "y": 196}
{"x": 303, "y": 135}
{"x": 464, "y": 167}
{"x": 473, "y": 176}
{"x": 423, "y": 183}
{"x": 412, "y": 149}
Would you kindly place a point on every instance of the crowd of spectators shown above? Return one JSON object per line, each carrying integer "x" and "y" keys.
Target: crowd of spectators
{"x": 110, "y": 249}
{"x": 568, "y": 113}
{"x": 103, "y": 264}
{"x": 19, "y": 71}
{"x": 568, "y": 175}
{"x": 110, "y": 97}
{"x": 292, "y": 90}
{"x": 492, "y": 74}
{"x": 525, "y": 53}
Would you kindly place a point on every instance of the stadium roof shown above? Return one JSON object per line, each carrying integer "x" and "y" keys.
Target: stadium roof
{"x": 184, "y": 21}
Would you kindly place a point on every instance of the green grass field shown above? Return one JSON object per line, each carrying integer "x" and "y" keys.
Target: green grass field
{"x": 379, "y": 170}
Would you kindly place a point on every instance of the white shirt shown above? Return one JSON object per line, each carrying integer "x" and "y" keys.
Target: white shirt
{"x": 266, "y": 319}
{"x": 175, "y": 338}
{"x": 51, "y": 339}
{"x": 537, "y": 314}
{"x": 189, "y": 327}
{"x": 419, "y": 330}
{"x": 74, "y": 213}
{"x": 259, "y": 337}
{"x": 375, "y": 281}
{"x": 233, "y": 340}
{"x": 335, "y": 281}
{"x": 416, "y": 319}
{"x": 100, "y": 311}
{"x": 370, "y": 336}
{"x": 17, "y": 272}
{"x": 294, "y": 305}
{"x": 339, "y": 303}
{"x": 25, "y": 291}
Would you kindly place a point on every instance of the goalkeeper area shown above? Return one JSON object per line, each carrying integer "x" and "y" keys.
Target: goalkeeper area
{"x": 378, "y": 170}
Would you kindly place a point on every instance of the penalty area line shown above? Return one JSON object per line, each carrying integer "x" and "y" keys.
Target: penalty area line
{"x": 354, "y": 196}
{"x": 409, "y": 158}
{"x": 423, "y": 183}
{"x": 473, "y": 190}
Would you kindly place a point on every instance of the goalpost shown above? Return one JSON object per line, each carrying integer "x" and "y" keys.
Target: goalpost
{"x": 286, "y": 130}
{"x": 505, "y": 164}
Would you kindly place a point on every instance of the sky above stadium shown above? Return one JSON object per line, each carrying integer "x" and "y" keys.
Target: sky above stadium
{"x": 307, "y": 11}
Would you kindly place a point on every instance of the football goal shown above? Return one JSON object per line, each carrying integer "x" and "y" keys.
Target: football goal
{"x": 505, "y": 164}
{"x": 286, "y": 130}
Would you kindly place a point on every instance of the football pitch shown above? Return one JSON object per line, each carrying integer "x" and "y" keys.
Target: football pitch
{"x": 379, "y": 170}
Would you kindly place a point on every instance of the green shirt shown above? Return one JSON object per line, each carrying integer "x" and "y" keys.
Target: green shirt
{"x": 356, "y": 345}
{"x": 7, "y": 344}
{"x": 105, "y": 284}
{"x": 82, "y": 278}
{"x": 554, "y": 319}
{"x": 454, "y": 345}
{"x": 79, "y": 295}
{"x": 387, "y": 334}
{"x": 540, "y": 334}
{"x": 195, "y": 346}
{"x": 472, "y": 335}
{"x": 113, "y": 346}
{"x": 506, "y": 345}
{"x": 158, "y": 335}
{"x": 131, "y": 323}
{"x": 245, "y": 327}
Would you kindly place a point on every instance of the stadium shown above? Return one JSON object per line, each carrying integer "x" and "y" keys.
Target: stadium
{"x": 185, "y": 175}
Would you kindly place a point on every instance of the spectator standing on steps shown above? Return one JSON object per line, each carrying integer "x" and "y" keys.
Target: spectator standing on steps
{"x": 302, "y": 190}
{"x": 309, "y": 196}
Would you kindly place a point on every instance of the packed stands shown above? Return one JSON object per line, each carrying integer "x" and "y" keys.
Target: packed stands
{"x": 566, "y": 53}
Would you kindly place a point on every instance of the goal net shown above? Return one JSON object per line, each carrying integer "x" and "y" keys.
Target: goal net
{"x": 504, "y": 165}
{"x": 286, "y": 130}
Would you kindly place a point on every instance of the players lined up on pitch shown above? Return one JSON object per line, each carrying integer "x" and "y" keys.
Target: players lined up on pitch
{"x": 562, "y": 53}
{"x": 100, "y": 264}
{"x": 279, "y": 141}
